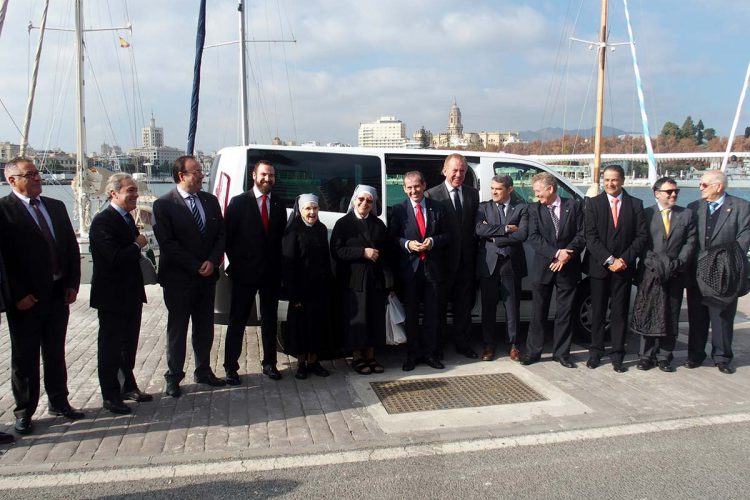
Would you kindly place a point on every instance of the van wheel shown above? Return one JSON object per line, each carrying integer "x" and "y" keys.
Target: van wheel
{"x": 582, "y": 314}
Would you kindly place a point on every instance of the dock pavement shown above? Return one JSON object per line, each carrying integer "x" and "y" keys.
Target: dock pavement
{"x": 291, "y": 419}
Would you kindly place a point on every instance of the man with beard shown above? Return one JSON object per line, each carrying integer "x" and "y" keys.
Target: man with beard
{"x": 190, "y": 232}
{"x": 255, "y": 222}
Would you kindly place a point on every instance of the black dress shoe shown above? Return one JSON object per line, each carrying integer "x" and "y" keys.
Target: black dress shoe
{"x": 467, "y": 352}
{"x": 725, "y": 368}
{"x": 301, "y": 370}
{"x": 409, "y": 364}
{"x": 211, "y": 380}
{"x": 317, "y": 369}
{"x": 23, "y": 425}
{"x": 593, "y": 362}
{"x": 617, "y": 367}
{"x": 233, "y": 378}
{"x": 645, "y": 364}
{"x": 438, "y": 354}
{"x": 6, "y": 438}
{"x": 271, "y": 372}
{"x": 665, "y": 366}
{"x": 691, "y": 364}
{"x": 116, "y": 407}
{"x": 66, "y": 411}
{"x": 565, "y": 361}
{"x": 528, "y": 360}
{"x": 173, "y": 389}
{"x": 433, "y": 363}
{"x": 137, "y": 395}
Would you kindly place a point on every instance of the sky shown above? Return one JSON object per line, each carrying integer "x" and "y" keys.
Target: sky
{"x": 509, "y": 65}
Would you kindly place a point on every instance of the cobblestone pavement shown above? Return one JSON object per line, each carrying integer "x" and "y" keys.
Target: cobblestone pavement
{"x": 263, "y": 418}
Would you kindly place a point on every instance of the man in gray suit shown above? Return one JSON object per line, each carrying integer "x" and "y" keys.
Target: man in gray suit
{"x": 502, "y": 225}
{"x": 720, "y": 219}
{"x": 669, "y": 251}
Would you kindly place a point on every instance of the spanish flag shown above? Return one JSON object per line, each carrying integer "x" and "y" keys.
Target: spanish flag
{"x": 124, "y": 43}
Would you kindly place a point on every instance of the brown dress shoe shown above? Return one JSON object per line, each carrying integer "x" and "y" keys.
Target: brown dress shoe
{"x": 515, "y": 354}
{"x": 488, "y": 354}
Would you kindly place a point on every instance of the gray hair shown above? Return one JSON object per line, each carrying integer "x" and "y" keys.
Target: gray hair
{"x": 12, "y": 168}
{"x": 114, "y": 183}
{"x": 546, "y": 179}
{"x": 718, "y": 176}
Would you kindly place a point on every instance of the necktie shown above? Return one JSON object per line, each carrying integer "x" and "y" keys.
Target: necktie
{"x": 422, "y": 228}
{"x": 264, "y": 211}
{"x": 555, "y": 219}
{"x": 501, "y": 213}
{"x": 131, "y": 222}
{"x": 47, "y": 234}
{"x": 665, "y": 220}
{"x": 712, "y": 206}
{"x": 196, "y": 213}
{"x": 457, "y": 204}
{"x": 615, "y": 201}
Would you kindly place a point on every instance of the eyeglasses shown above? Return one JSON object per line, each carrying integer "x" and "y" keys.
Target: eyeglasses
{"x": 669, "y": 192}
{"x": 28, "y": 175}
{"x": 703, "y": 185}
{"x": 365, "y": 200}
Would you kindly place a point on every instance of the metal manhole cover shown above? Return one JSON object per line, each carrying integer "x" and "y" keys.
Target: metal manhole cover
{"x": 447, "y": 393}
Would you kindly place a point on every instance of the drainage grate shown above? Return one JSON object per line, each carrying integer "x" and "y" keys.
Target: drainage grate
{"x": 446, "y": 393}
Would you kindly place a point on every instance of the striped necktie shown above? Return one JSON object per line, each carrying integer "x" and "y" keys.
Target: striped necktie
{"x": 196, "y": 212}
{"x": 555, "y": 220}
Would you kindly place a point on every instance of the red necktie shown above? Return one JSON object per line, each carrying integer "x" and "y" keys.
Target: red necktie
{"x": 422, "y": 228}
{"x": 614, "y": 210}
{"x": 264, "y": 211}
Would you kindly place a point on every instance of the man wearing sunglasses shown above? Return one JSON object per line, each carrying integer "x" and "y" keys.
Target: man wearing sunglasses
{"x": 721, "y": 219}
{"x": 668, "y": 254}
{"x": 42, "y": 260}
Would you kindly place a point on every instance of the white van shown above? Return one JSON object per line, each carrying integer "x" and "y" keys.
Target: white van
{"x": 332, "y": 173}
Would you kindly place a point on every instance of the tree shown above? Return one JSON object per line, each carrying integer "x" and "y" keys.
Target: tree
{"x": 709, "y": 134}
{"x": 670, "y": 129}
{"x": 688, "y": 129}
{"x": 747, "y": 132}
{"x": 699, "y": 132}
{"x": 424, "y": 141}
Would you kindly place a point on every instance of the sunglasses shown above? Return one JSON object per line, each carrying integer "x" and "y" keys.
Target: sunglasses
{"x": 669, "y": 192}
{"x": 703, "y": 185}
{"x": 364, "y": 200}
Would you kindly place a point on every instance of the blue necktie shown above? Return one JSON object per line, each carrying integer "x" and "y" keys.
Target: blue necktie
{"x": 712, "y": 206}
{"x": 196, "y": 212}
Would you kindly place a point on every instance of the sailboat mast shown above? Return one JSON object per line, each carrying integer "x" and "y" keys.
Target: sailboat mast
{"x": 600, "y": 97}
{"x": 81, "y": 163}
{"x": 32, "y": 85}
{"x": 243, "y": 75}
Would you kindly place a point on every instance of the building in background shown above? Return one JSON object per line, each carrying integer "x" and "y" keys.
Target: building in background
{"x": 387, "y": 132}
{"x": 152, "y": 149}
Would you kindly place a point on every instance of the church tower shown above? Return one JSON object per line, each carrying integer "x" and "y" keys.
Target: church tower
{"x": 455, "y": 127}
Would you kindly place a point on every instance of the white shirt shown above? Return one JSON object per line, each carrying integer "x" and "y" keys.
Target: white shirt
{"x": 185, "y": 195}
{"x": 259, "y": 199}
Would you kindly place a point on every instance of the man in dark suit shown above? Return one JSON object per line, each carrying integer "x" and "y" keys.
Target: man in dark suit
{"x": 256, "y": 221}
{"x": 5, "y": 438}
{"x": 42, "y": 262}
{"x": 117, "y": 293}
{"x": 419, "y": 228}
{"x": 556, "y": 235}
{"x": 502, "y": 224}
{"x": 615, "y": 235}
{"x": 668, "y": 253}
{"x": 720, "y": 219}
{"x": 460, "y": 202}
{"x": 190, "y": 232}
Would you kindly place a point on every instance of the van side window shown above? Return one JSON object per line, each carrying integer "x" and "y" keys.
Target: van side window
{"x": 522, "y": 175}
{"x": 430, "y": 166}
{"x": 331, "y": 177}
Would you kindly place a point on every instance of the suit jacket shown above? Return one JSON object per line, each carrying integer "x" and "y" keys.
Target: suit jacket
{"x": 254, "y": 255}
{"x": 627, "y": 241}
{"x": 545, "y": 244}
{"x": 26, "y": 254}
{"x": 182, "y": 246}
{"x": 733, "y": 224}
{"x": 117, "y": 281}
{"x": 404, "y": 228}
{"x": 678, "y": 247}
{"x": 492, "y": 236}
{"x": 462, "y": 250}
